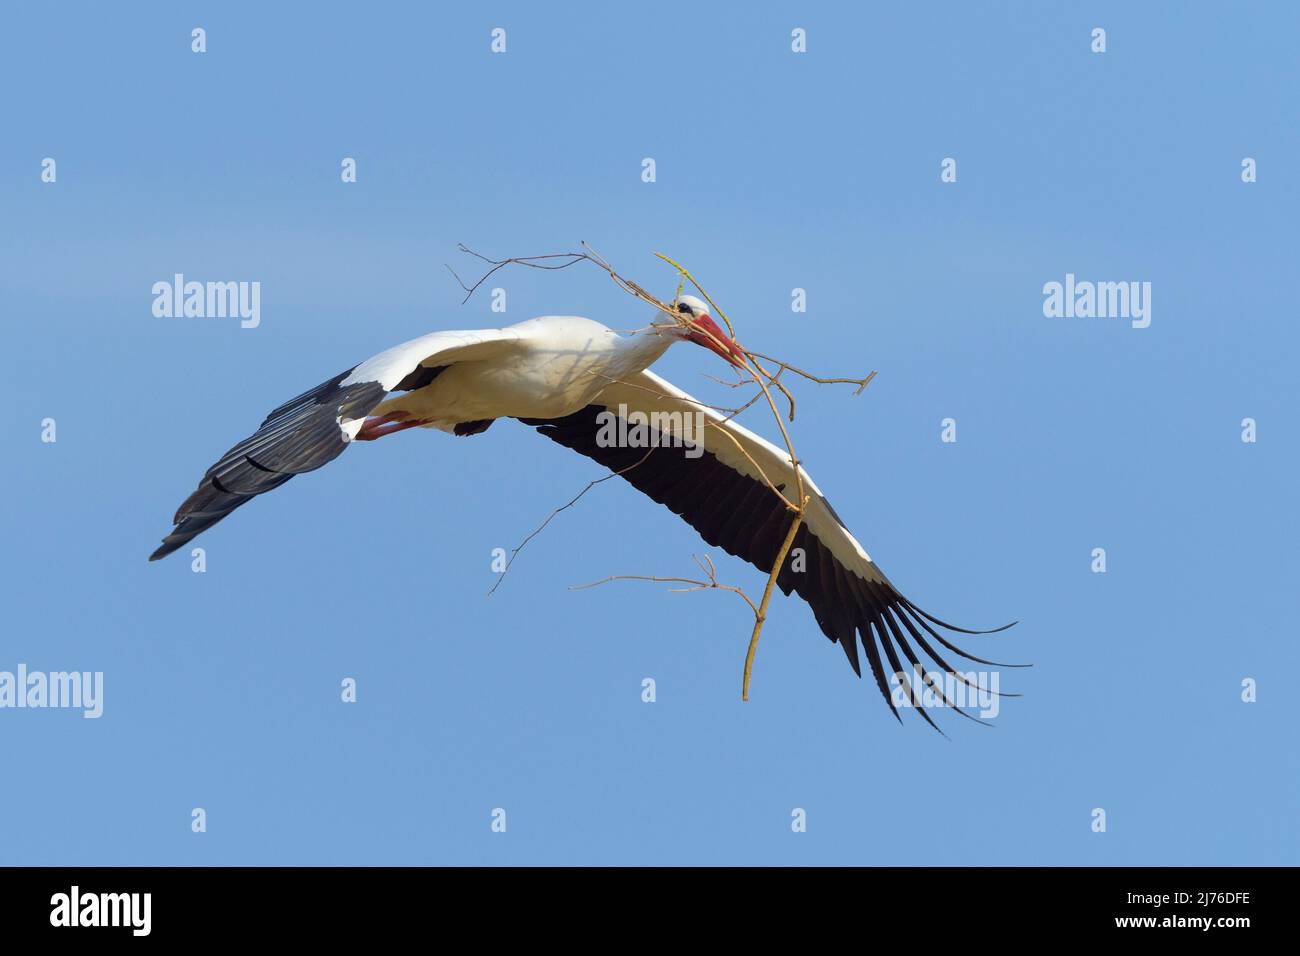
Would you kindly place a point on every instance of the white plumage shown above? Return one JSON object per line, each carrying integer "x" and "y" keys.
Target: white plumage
{"x": 565, "y": 375}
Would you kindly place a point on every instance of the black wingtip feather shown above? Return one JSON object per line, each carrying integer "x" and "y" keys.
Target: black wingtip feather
{"x": 953, "y": 627}
{"x": 922, "y": 618}
{"x": 902, "y": 677}
{"x": 928, "y": 678}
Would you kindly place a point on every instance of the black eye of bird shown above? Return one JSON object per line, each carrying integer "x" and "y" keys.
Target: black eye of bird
{"x": 683, "y": 307}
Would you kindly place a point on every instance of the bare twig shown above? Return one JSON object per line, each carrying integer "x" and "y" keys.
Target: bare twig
{"x": 861, "y": 383}
{"x": 533, "y": 262}
{"x": 763, "y": 378}
{"x": 757, "y": 467}
{"x": 759, "y": 374}
{"x": 573, "y": 501}
{"x": 695, "y": 584}
{"x": 760, "y": 614}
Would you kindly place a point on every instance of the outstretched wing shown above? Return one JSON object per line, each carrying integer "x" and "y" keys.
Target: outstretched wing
{"x": 308, "y": 431}
{"x": 725, "y": 492}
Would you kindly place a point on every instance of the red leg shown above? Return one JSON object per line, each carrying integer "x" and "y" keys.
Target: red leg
{"x": 387, "y": 424}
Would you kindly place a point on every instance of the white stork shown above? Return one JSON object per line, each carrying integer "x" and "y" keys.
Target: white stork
{"x": 559, "y": 374}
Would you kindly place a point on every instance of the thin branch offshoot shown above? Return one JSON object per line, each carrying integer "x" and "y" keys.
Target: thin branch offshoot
{"x": 564, "y": 507}
{"x": 756, "y": 372}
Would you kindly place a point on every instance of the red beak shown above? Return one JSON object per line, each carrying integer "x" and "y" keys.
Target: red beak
{"x": 723, "y": 346}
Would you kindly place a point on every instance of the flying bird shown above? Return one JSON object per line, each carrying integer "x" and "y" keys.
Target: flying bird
{"x": 565, "y": 376}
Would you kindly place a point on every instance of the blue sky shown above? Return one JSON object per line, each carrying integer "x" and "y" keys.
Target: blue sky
{"x": 775, "y": 170}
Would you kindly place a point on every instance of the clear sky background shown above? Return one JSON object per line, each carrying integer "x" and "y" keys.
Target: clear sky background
{"x": 775, "y": 170}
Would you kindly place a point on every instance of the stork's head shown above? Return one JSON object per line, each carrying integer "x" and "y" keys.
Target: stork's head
{"x": 706, "y": 332}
